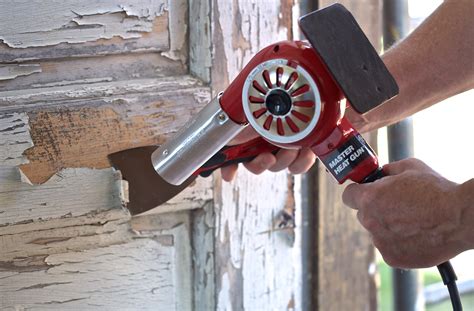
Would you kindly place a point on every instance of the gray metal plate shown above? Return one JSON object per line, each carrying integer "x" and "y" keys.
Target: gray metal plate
{"x": 349, "y": 56}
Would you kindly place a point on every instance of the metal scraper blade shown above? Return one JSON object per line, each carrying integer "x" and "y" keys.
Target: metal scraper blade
{"x": 347, "y": 53}
{"x": 146, "y": 188}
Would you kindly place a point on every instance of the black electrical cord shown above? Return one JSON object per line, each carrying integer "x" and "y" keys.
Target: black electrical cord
{"x": 449, "y": 279}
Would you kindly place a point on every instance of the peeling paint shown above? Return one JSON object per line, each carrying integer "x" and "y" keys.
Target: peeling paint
{"x": 14, "y": 138}
{"x": 177, "y": 31}
{"x": 82, "y": 134}
{"x": 69, "y": 193}
{"x": 54, "y": 22}
{"x": 258, "y": 28}
{"x": 72, "y": 82}
{"x": 139, "y": 275}
{"x": 224, "y": 295}
{"x": 12, "y": 71}
{"x": 200, "y": 46}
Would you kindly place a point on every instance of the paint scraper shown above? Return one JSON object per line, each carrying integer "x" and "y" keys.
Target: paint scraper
{"x": 147, "y": 189}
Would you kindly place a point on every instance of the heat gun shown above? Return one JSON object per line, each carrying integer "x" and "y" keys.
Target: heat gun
{"x": 293, "y": 94}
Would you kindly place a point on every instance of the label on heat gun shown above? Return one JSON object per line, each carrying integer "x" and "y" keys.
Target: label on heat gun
{"x": 346, "y": 157}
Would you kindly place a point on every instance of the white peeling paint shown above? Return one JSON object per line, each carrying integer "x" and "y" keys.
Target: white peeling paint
{"x": 12, "y": 71}
{"x": 178, "y": 10}
{"x": 257, "y": 249}
{"x": 104, "y": 89}
{"x": 14, "y": 138}
{"x": 69, "y": 193}
{"x": 73, "y": 82}
{"x": 71, "y": 21}
{"x": 135, "y": 276}
{"x": 265, "y": 31}
{"x": 224, "y": 297}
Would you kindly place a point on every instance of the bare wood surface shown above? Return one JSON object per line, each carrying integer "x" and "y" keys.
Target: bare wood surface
{"x": 80, "y": 125}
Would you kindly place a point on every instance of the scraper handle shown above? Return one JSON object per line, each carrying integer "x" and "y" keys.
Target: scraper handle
{"x": 237, "y": 154}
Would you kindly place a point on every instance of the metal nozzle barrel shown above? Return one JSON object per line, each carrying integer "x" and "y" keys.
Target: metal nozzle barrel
{"x": 202, "y": 137}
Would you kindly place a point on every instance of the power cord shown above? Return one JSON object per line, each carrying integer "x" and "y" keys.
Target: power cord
{"x": 449, "y": 279}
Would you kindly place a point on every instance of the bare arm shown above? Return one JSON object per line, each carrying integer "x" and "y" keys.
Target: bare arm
{"x": 433, "y": 63}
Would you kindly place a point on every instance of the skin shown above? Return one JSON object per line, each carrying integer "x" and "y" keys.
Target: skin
{"x": 296, "y": 161}
{"x": 416, "y": 217}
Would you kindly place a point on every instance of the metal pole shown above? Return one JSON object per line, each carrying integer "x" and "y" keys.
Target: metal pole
{"x": 406, "y": 289}
{"x": 309, "y": 215}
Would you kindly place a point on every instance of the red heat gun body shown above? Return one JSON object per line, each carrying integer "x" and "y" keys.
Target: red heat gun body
{"x": 293, "y": 94}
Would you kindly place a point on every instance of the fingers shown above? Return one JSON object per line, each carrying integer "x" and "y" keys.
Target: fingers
{"x": 228, "y": 172}
{"x": 261, "y": 163}
{"x": 284, "y": 158}
{"x": 297, "y": 161}
{"x": 303, "y": 162}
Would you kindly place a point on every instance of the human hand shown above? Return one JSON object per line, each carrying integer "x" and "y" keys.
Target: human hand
{"x": 297, "y": 161}
{"x": 414, "y": 215}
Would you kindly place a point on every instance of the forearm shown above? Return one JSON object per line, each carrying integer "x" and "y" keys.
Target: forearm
{"x": 433, "y": 63}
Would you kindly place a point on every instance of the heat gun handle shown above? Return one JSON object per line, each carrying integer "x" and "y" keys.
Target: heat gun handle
{"x": 237, "y": 154}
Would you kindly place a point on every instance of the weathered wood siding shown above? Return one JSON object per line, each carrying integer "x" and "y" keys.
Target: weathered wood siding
{"x": 80, "y": 80}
